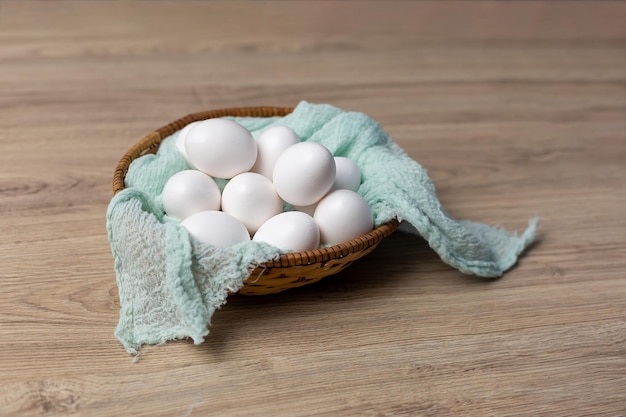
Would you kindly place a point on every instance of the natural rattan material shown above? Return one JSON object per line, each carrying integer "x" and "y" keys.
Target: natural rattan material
{"x": 289, "y": 270}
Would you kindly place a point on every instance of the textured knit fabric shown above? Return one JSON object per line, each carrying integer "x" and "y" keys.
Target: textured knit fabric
{"x": 170, "y": 285}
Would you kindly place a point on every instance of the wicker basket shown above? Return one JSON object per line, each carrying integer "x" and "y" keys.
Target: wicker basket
{"x": 289, "y": 270}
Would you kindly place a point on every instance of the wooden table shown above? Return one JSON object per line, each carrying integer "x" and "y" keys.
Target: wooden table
{"x": 516, "y": 109}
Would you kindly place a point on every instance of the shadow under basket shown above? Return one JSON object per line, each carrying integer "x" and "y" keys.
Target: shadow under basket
{"x": 289, "y": 270}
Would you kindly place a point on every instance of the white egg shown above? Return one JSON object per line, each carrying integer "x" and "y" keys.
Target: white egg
{"x": 341, "y": 216}
{"x": 220, "y": 148}
{"x": 216, "y": 228}
{"x": 180, "y": 140}
{"x": 271, "y": 143}
{"x": 188, "y": 192}
{"x": 251, "y": 199}
{"x": 291, "y": 231}
{"x": 304, "y": 173}
{"x": 348, "y": 175}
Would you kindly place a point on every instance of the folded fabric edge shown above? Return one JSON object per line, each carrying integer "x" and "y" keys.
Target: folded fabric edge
{"x": 176, "y": 277}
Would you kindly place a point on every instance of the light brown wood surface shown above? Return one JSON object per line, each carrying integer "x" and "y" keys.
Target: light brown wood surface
{"x": 515, "y": 108}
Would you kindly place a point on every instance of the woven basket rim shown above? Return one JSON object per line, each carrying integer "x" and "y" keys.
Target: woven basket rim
{"x": 151, "y": 142}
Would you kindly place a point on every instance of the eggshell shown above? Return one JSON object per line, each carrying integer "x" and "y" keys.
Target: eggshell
{"x": 270, "y": 144}
{"x": 251, "y": 199}
{"x": 341, "y": 216}
{"x": 181, "y": 138}
{"x": 348, "y": 174}
{"x": 292, "y": 231}
{"x": 188, "y": 192}
{"x": 216, "y": 228}
{"x": 220, "y": 148}
{"x": 304, "y": 173}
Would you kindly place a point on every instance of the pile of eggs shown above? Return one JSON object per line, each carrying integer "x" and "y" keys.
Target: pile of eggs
{"x": 263, "y": 173}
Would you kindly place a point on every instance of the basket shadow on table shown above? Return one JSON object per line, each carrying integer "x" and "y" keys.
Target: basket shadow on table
{"x": 400, "y": 264}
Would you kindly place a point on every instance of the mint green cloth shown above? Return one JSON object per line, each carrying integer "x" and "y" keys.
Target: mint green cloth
{"x": 170, "y": 285}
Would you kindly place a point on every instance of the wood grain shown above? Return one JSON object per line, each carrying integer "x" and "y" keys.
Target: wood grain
{"x": 515, "y": 108}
